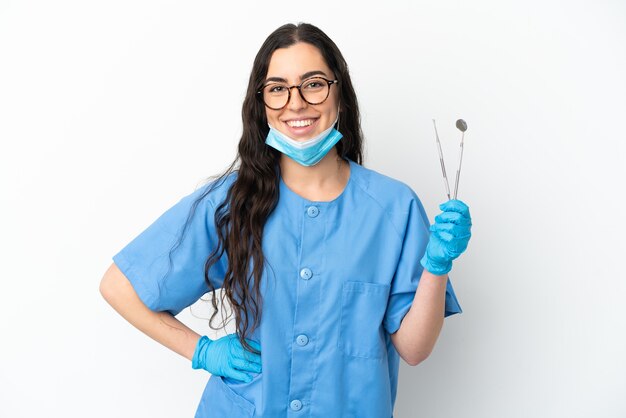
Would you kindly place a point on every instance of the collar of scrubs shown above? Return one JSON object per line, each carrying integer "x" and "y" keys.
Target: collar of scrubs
{"x": 290, "y": 194}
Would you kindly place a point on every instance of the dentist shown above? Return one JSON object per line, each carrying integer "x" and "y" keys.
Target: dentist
{"x": 332, "y": 269}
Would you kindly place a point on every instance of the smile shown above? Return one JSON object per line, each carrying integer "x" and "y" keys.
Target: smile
{"x": 300, "y": 123}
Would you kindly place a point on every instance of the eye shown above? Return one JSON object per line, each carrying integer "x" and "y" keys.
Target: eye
{"x": 313, "y": 84}
{"x": 275, "y": 88}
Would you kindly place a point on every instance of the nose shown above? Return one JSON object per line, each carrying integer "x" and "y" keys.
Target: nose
{"x": 296, "y": 102}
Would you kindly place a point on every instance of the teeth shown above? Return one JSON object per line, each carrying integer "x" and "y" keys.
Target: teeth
{"x": 300, "y": 123}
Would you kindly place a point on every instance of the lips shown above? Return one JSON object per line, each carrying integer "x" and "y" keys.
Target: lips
{"x": 301, "y": 128}
{"x": 300, "y": 123}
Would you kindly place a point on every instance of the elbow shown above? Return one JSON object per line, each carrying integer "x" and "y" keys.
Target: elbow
{"x": 412, "y": 352}
{"x": 417, "y": 358}
{"x": 105, "y": 288}
{"x": 108, "y": 288}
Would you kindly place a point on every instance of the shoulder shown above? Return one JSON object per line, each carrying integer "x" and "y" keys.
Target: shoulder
{"x": 389, "y": 192}
{"x": 200, "y": 205}
{"x": 212, "y": 192}
{"x": 396, "y": 198}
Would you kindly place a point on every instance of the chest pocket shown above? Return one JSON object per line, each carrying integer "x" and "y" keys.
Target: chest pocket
{"x": 363, "y": 306}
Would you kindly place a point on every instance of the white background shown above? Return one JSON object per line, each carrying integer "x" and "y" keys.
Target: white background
{"x": 111, "y": 111}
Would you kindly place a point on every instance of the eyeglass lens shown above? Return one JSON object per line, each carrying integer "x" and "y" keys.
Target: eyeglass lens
{"x": 313, "y": 91}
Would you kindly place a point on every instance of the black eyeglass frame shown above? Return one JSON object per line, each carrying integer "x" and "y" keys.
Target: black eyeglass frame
{"x": 299, "y": 87}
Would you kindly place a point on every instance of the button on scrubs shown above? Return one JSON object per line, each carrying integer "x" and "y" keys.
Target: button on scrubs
{"x": 339, "y": 277}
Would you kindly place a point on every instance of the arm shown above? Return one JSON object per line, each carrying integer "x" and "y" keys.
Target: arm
{"x": 222, "y": 357}
{"x": 160, "y": 326}
{"x": 419, "y": 330}
{"x": 420, "y": 327}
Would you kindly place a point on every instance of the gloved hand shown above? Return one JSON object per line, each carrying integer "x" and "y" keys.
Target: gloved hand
{"x": 227, "y": 357}
{"x": 449, "y": 237}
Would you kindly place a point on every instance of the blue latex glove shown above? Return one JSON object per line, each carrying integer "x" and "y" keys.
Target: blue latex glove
{"x": 449, "y": 237}
{"x": 227, "y": 357}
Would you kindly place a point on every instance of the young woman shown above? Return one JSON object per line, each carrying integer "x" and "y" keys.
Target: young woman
{"x": 332, "y": 270}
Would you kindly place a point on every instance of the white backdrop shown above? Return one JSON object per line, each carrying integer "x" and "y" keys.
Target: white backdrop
{"x": 111, "y": 111}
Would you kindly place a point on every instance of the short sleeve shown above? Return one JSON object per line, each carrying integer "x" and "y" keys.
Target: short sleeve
{"x": 172, "y": 281}
{"x": 409, "y": 270}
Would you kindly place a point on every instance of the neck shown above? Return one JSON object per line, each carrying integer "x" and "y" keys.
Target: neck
{"x": 330, "y": 172}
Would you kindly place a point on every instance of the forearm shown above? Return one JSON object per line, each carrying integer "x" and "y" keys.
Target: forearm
{"x": 160, "y": 326}
{"x": 421, "y": 326}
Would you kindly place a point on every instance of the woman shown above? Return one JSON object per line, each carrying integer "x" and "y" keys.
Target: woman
{"x": 319, "y": 256}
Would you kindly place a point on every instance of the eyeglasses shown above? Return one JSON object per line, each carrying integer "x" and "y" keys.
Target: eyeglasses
{"x": 313, "y": 90}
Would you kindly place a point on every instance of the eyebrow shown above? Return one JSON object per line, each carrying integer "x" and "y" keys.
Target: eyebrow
{"x": 302, "y": 77}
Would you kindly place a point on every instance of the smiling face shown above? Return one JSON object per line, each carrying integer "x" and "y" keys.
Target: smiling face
{"x": 298, "y": 119}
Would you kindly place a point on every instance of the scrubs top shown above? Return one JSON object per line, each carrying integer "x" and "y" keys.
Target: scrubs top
{"x": 339, "y": 277}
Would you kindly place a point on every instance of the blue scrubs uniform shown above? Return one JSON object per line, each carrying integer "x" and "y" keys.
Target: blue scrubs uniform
{"x": 339, "y": 277}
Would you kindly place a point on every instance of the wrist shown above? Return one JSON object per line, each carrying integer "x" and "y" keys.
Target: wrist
{"x": 197, "y": 361}
{"x": 438, "y": 269}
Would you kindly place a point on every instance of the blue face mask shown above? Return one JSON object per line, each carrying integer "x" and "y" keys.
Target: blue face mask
{"x": 308, "y": 152}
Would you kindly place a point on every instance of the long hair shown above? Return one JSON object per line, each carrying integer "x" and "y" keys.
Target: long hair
{"x": 254, "y": 194}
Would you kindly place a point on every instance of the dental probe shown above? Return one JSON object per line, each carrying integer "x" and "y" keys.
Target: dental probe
{"x": 443, "y": 166}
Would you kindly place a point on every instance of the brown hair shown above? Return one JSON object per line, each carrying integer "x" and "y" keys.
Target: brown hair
{"x": 252, "y": 197}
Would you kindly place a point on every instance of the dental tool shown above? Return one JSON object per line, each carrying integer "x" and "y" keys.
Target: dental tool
{"x": 443, "y": 166}
{"x": 462, "y": 126}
